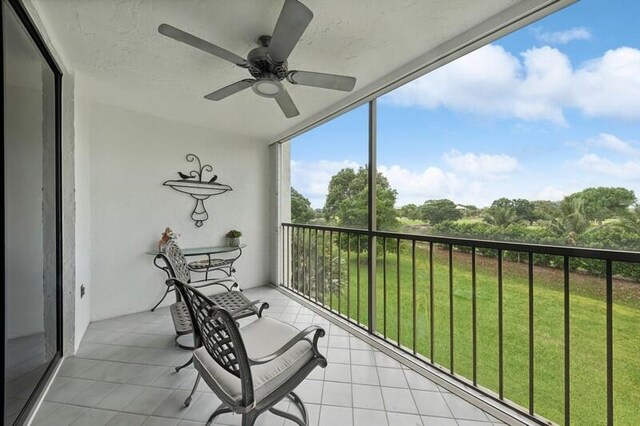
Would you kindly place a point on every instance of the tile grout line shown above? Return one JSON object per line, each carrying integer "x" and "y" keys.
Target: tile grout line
{"x": 456, "y": 418}
{"x": 404, "y": 374}
{"x": 114, "y": 411}
{"x": 353, "y": 408}
{"x": 135, "y": 346}
{"x": 128, "y": 362}
{"x": 132, "y": 384}
{"x": 321, "y": 398}
{"x": 384, "y": 404}
{"x": 95, "y": 407}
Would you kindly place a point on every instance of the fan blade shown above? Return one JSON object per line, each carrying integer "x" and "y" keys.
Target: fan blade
{"x": 198, "y": 43}
{"x": 293, "y": 20}
{"x": 326, "y": 81}
{"x": 229, "y": 90}
{"x": 286, "y": 104}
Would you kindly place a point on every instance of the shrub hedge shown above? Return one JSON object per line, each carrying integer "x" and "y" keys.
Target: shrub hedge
{"x": 611, "y": 236}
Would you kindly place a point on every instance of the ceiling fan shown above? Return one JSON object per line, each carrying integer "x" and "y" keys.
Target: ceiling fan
{"x": 267, "y": 63}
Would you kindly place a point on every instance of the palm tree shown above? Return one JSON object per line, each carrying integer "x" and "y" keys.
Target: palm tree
{"x": 573, "y": 221}
{"x": 630, "y": 219}
{"x": 500, "y": 216}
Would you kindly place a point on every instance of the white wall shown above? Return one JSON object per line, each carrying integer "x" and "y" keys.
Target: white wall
{"x": 83, "y": 217}
{"x": 280, "y": 202}
{"x": 131, "y": 155}
{"x": 274, "y": 213}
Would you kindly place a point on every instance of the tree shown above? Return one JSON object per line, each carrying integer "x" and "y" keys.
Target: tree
{"x": 410, "y": 211}
{"x": 573, "y": 222}
{"x": 438, "y": 211}
{"x": 623, "y": 234}
{"x": 500, "y": 216}
{"x": 503, "y": 203}
{"x": 340, "y": 188}
{"x": 504, "y": 211}
{"x": 546, "y": 210}
{"x": 630, "y": 220}
{"x": 347, "y": 200}
{"x": 470, "y": 210}
{"x": 301, "y": 211}
{"x": 524, "y": 209}
{"x": 602, "y": 203}
{"x": 501, "y": 213}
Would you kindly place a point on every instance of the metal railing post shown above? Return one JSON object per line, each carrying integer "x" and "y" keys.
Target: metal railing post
{"x": 567, "y": 344}
{"x": 609, "y": 301}
{"x": 372, "y": 225}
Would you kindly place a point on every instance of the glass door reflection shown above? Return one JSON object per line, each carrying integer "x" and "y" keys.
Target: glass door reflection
{"x": 30, "y": 211}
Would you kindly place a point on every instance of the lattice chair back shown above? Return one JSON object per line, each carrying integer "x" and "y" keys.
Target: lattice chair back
{"x": 217, "y": 331}
{"x": 177, "y": 262}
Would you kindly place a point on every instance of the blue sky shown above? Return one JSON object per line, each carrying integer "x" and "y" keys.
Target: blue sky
{"x": 544, "y": 112}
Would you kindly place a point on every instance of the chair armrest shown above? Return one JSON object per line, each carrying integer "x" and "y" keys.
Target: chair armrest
{"x": 249, "y": 305}
{"x": 233, "y": 313}
{"x": 217, "y": 281}
{"x": 319, "y": 332}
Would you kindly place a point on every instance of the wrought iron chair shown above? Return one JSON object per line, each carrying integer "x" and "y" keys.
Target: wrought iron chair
{"x": 176, "y": 266}
{"x": 253, "y": 368}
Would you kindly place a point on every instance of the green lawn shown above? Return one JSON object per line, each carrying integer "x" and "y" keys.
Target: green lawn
{"x": 587, "y": 320}
{"x": 406, "y": 221}
{"x": 470, "y": 220}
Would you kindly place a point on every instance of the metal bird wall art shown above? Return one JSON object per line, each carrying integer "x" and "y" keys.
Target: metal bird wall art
{"x": 194, "y": 184}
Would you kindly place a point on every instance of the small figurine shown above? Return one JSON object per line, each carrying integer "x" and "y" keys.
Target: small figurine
{"x": 167, "y": 235}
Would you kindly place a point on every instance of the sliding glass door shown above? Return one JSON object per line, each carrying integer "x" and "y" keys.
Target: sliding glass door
{"x": 32, "y": 231}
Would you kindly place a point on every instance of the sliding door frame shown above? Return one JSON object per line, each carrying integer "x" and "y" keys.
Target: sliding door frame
{"x": 36, "y": 37}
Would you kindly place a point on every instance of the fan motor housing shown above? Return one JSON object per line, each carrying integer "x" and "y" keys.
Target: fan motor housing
{"x": 260, "y": 64}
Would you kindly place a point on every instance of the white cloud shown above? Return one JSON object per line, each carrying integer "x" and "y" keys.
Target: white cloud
{"x": 551, "y": 193}
{"x": 629, "y": 170}
{"x": 418, "y": 186}
{"x": 610, "y": 86}
{"x": 489, "y": 81}
{"x": 563, "y": 37}
{"x": 480, "y": 164}
{"x": 537, "y": 86}
{"x": 613, "y": 143}
{"x": 470, "y": 179}
{"x": 311, "y": 179}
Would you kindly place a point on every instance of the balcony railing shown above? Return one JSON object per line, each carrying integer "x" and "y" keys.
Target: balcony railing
{"x": 486, "y": 313}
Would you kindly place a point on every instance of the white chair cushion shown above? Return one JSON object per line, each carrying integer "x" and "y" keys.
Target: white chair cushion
{"x": 261, "y": 337}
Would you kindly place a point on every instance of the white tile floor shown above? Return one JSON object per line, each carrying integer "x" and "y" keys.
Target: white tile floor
{"x": 123, "y": 375}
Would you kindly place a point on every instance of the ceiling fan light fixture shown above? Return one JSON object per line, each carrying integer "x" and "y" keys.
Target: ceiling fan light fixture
{"x": 267, "y": 88}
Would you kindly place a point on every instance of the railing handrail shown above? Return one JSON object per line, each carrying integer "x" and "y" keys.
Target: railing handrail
{"x": 550, "y": 249}
{"x": 327, "y": 228}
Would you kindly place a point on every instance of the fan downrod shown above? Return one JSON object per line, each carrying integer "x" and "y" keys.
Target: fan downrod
{"x": 264, "y": 40}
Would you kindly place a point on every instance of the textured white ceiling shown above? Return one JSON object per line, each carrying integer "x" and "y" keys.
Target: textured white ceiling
{"x": 114, "y": 46}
